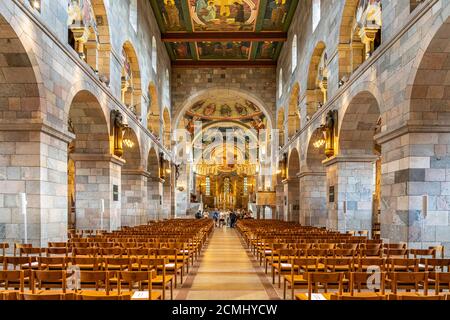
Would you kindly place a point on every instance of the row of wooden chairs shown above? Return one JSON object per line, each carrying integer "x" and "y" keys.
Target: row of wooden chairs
{"x": 54, "y": 285}
{"x": 361, "y": 284}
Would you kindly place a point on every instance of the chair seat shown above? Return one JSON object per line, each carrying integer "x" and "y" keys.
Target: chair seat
{"x": 159, "y": 279}
{"x": 297, "y": 279}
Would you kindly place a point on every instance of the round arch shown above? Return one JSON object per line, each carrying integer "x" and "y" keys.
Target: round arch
{"x": 131, "y": 79}
{"x": 317, "y": 83}
{"x": 21, "y": 91}
{"x": 88, "y": 122}
{"x": 293, "y": 115}
{"x": 359, "y": 125}
{"x": 293, "y": 164}
{"x": 280, "y": 126}
{"x": 153, "y": 163}
{"x": 153, "y": 114}
{"x": 207, "y": 92}
{"x": 132, "y": 154}
{"x": 167, "y": 128}
{"x": 428, "y": 81}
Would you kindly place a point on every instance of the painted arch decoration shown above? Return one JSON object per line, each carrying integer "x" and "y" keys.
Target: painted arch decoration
{"x": 225, "y": 16}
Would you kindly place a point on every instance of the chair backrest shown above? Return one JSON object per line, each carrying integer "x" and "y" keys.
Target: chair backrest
{"x": 116, "y": 252}
{"x": 58, "y": 244}
{"x": 344, "y": 253}
{"x": 367, "y": 281}
{"x": 18, "y": 246}
{"x": 139, "y": 277}
{"x": 38, "y": 277}
{"x": 117, "y": 263}
{"x": 52, "y": 262}
{"x": 317, "y": 252}
{"x": 29, "y": 252}
{"x": 14, "y": 276}
{"x": 396, "y": 253}
{"x": 90, "y": 252}
{"x": 19, "y": 262}
{"x": 3, "y": 247}
{"x": 440, "y": 265}
{"x": 138, "y": 252}
{"x": 441, "y": 279}
{"x": 407, "y": 264}
{"x": 47, "y": 296}
{"x": 416, "y": 298}
{"x": 57, "y": 251}
{"x": 87, "y": 296}
{"x": 326, "y": 279}
{"x": 355, "y": 298}
{"x": 305, "y": 265}
{"x": 86, "y": 261}
{"x": 422, "y": 253}
{"x": 100, "y": 278}
{"x": 332, "y": 263}
{"x": 410, "y": 278}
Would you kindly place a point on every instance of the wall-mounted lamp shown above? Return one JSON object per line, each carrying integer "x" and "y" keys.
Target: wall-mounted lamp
{"x": 127, "y": 138}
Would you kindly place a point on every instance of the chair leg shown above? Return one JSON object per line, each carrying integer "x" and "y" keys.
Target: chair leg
{"x": 171, "y": 289}
{"x": 284, "y": 289}
{"x": 273, "y": 275}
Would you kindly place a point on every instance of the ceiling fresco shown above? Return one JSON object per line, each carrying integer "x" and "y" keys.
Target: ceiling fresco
{"x": 224, "y": 16}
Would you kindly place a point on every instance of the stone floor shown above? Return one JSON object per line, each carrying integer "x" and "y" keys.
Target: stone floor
{"x": 226, "y": 271}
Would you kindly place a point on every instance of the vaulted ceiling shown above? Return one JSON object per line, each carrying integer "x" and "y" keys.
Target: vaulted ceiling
{"x": 224, "y": 32}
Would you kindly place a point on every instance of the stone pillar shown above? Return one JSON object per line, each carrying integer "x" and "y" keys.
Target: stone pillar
{"x": 33, "y": 160}
{"x": 415, "y": 186}
{"x": 292, "y": 190}
{"x": 313, "y": 199}
{"x": 352, "y": 178}
{"x": 134, "y": 197}
{"x": 97, "y": 177}
{"x": 154, "y": 198}
{"x": 280, "y": 201}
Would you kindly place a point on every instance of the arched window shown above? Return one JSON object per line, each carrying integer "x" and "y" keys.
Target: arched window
{"x": 154, "y": 55}
{"x": 315, "y": 13}
{"x": 167, "y": 86}
{"x": 133, "y": 14}
{"x": 280, "y": 84}
{"x": 294, "y": 53}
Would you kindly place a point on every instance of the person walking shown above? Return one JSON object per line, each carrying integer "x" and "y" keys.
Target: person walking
{"x": 215, "y": 217}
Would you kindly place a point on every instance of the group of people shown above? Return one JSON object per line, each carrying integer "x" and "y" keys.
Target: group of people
{"x": 226, "y": 218}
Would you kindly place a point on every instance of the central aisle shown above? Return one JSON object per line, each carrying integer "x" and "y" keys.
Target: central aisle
{"x": 227, "y": 272}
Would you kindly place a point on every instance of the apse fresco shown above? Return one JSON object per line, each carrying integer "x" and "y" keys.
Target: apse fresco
{"x": 223, "y": 50}
{"x": 224, "y": 108}
{"x": 223, "y": 15}
{"x": 181, "y": 50}
{"x": 266, "y": 50}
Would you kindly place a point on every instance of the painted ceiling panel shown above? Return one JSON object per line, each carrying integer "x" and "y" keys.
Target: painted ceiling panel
{"x": 228, "y": 17}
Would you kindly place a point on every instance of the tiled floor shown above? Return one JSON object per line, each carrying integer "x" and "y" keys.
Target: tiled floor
{"x": 226, "y": 272}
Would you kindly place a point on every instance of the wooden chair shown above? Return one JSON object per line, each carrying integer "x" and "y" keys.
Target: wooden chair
{"x": 143, "y": 280}
{"x": 161, "y": 280}
{"x": 300, "y": 268}
{"x": 408, "y": 281}
{"x": 283, "y": 265}
{"x": 360, "y": 281}
{"x": 57, "y": 252}
{"x": 416, "y": 297}
{"x": 48, "y": 280}
{"x": 437, "y": 265}
{"x": 18, "y": 246}
{"x": 172, "y": 267}
{"x": 52, "y": 263}
{"x": 4, "y": 247}
{"x": 322, "y": 280}
{"x": 47, "y": 297}
{"x": 86, "y": 263}
{"x": 14, "y": 280}
{"x": 403, "y": 265}
{"x": 441, "y": 281}
{"x": 362, "y": 264}
{"x": 102, "y": 296}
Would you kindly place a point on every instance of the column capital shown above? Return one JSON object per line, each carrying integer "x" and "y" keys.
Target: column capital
{"x": 65, "y": 136}
{"x": 311, "y": 174}
{"x": 403, "y": 129}
{"x": 97, "y": 157}
{"x": 349, "y": 158}
{"x": 136, "y": 172}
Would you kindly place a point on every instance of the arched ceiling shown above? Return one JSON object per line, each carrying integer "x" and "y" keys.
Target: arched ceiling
{"x": 224, "y": 30}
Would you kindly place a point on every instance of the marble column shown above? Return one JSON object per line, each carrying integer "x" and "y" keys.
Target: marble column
{"x": 353, "y": 181}
{"x": 313, "y": 199}
{"x": 98, "y": 177}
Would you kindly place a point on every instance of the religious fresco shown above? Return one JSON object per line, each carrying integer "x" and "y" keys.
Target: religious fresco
{"x": 266, "y": 50}
{"x": 229, "y": 16}
{"x": 181, "y": 50}
{"x": 227, "y": 108}
{"x": 276, "y": 13}
{"x": 172, "y": 14}
{"x": 223, "y": 50}
{"x": 223, "y": 15}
